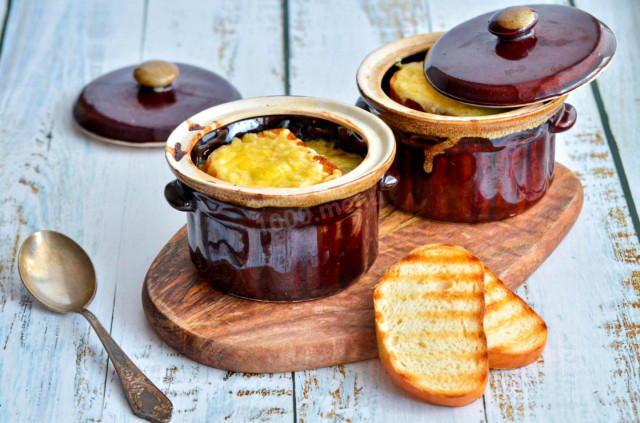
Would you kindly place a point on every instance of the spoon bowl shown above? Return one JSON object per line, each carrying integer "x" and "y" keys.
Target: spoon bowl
{"x": 57, "y": 271}
{"x": 60, "y": 275}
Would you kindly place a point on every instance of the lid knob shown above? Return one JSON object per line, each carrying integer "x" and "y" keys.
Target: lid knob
{"x": 513, "y": 23}
{"x": 156, "y": 74}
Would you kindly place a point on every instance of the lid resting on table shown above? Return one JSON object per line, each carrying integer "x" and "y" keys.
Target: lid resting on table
{"x": 142, "y": 105}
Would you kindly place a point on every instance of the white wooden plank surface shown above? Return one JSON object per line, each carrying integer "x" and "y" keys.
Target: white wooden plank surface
{"x": 324, "y": 62}
{"x": 4, "y": 5}
{"x": 562, "y": 387}
{"x": 230, "y": 38}
{"x": 53, "y": 365}
{"x": 326, "y": 47}
{"x": 585, "y": 293}
{"x": 588, "y": 303}
{"x": 110, "y": 200}
{"x": 619, "y": 85}
{"x": 240, "y": 40}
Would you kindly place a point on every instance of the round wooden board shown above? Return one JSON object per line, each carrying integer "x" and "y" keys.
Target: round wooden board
{"x": 257, "y": 337}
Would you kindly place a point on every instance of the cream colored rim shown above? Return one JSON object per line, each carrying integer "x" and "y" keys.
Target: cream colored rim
{"x": 378, "y": 136}
{"x": 376, "y": 65}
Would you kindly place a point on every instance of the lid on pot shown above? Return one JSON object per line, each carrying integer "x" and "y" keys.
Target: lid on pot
{"x": 520, "y": 55}
{"x": 142, "y": 105}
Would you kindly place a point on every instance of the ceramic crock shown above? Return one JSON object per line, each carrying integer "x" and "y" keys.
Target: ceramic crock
{"x": 281, "y": 244}
{"x": 473, "y": 169}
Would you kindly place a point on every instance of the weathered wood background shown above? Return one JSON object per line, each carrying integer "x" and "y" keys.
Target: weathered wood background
{"x": 53, "y": 368}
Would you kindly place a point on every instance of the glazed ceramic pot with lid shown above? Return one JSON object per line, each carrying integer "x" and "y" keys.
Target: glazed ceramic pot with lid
{"x": 281, "y": 244}
{"x": 141, "y": 105}
{"x": 481, "y": 168}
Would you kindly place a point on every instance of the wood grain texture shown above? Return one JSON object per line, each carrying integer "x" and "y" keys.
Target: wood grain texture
{"x": 109, "y": 199}
{"x": 571, "y": 381}
{"x": 324, "y": 61}
{"x": 619, "y": 84}
{"x": 618, "y": 109}
{"x": 588, "y": 305}
{"x": 4, "y": 9}
{"x": 320, "y": 54}
{"x": 589, "y": 367}
{"x": 592, "y": 354}
{"x": 248, "y": 336}
{"x": 228, "y": 38}
{"x": 53, "y": 366}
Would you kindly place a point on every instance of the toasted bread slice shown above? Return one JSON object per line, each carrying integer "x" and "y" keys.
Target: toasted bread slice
{"x": 429, "y": 310}
{"x": 516, "y": 335}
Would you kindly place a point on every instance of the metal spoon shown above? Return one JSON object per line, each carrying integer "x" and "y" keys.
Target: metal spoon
{"x": 60, "y": 275}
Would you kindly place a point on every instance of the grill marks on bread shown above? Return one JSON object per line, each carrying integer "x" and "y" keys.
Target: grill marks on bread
{"x": 516, "y": 335}
{"x": 429, "y": 311}
{"x": 443, "y": 318}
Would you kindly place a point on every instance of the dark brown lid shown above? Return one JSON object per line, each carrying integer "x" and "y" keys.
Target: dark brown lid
{"x": 520, "y": 55}
{"x": 142, "y": 105}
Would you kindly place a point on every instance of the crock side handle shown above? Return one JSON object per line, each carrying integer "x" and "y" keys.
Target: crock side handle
{"x": 179, "y": 196}
{"x": 390, "y": 179}
{"x": 566, "y": 119}
{"x": 360, "y": 103}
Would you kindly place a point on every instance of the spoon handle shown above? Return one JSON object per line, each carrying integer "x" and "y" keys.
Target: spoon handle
{"x": 145, "y": 399}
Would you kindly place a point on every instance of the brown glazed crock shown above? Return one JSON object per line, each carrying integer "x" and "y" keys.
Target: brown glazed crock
{"x": 281, "y": 244}
{"x": 463, "y": 169}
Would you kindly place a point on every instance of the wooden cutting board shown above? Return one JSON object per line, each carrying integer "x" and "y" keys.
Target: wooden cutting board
{"x": 257, "y": 337}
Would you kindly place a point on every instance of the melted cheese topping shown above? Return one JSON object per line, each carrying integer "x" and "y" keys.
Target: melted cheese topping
{"x": 274, "y": 158}
{"x": 346, "y": 161}
{"x": 409, "y": 83}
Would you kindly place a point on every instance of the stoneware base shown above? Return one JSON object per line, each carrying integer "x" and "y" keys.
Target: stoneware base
{"x": 136, "y": 144}
{"x": 258, "y": 337}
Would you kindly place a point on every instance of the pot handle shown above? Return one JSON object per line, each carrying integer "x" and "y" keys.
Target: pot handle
{"x": 360, "y": 103}
{"x": 566, "y": 119}
{"x": 390, "y": 179}
{"x": 179, "y": 197}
